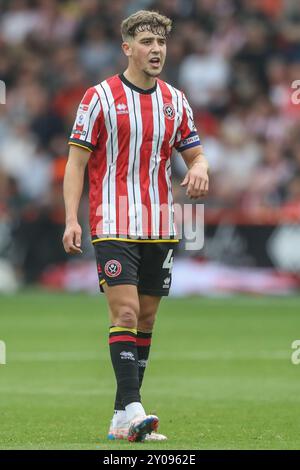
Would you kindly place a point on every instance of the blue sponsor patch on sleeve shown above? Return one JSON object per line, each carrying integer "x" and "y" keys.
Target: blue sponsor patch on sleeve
{"x": 191, "y": 141}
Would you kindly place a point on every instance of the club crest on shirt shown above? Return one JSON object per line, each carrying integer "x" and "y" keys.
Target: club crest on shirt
{"x": 169, "y": 111}
{"x": 113, "y": 268}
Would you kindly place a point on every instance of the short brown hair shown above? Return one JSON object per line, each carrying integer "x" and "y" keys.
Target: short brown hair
{"x": 144, "y": 20}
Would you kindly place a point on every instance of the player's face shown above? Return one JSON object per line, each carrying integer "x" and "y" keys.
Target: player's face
{"x": 148, "y": 53}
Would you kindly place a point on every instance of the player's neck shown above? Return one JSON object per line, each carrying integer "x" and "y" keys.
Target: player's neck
{"x": 139, "y": 79}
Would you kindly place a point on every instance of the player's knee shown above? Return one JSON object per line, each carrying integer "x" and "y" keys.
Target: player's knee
{"x": 127, "y": 314}
{"x": 146, "y": 321}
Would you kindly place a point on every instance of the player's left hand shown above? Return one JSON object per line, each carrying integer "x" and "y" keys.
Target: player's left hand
{"x": 196, "y": 181}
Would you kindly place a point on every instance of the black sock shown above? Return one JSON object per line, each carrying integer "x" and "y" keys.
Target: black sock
{"x": 123, "y": 353}
{"x": 143, "y": 344}
{"x": 118, "y": 401}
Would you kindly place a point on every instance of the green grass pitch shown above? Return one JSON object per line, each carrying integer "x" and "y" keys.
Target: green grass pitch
{"x": 220, "y": 374}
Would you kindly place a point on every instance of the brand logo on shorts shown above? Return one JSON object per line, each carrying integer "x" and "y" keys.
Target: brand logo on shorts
{"x": 167, "y": 281}
{"x": 127, "y": 355}
{"x": 113, "y": 268}
{"x": 169, "y": 111}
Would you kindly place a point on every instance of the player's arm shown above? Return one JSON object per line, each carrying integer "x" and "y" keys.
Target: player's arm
{"x": 73, "y": 185}
{"x": 196, "y": 178}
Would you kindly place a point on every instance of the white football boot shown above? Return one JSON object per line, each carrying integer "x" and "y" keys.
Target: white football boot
{"x": 141, "y": 426}
{"x": 119, "y": 429}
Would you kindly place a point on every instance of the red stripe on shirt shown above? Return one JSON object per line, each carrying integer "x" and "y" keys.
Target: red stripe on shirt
{"x": 163, "y": 188}
{"x": 146, "y": 149}
{"x": 97, "y": 168}
{"x": 123, "y": 125}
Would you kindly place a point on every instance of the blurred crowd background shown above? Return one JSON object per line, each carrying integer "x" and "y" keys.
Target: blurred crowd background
{"x": 236, "y": 60}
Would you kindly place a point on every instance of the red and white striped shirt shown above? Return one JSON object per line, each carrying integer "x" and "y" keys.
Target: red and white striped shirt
{"x": 131, "y": 133}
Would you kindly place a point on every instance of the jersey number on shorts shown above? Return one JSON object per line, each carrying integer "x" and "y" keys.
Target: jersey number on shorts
{"x": 168, "y": 263}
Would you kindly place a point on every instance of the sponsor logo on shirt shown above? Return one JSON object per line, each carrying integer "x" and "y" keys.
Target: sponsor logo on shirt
{"x": 81, "y": 114}
{"x": 75, "y": 131}
{"x": 122, "y": 108}
{"x": 80, "y": 119}
{"x": 190, "y": 140}
{"x": 83, "y": 107}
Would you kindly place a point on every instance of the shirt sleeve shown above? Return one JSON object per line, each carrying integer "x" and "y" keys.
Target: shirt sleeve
{"x": 187, "y": 135}
{"x": 85, "y": 131}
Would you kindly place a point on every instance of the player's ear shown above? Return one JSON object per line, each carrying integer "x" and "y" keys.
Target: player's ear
{"x": 127, "y": 49}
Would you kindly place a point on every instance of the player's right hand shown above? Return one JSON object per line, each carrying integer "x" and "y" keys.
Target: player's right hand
{"x": 72, "y": 238}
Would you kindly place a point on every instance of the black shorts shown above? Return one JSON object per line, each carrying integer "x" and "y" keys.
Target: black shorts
{"x": 145, "y": 265}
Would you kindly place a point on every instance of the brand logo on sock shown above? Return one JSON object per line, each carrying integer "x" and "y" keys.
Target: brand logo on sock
{"x": 127, "y": 356}
{"x": 142, "y": 363}
{"x": 113, "y": 268}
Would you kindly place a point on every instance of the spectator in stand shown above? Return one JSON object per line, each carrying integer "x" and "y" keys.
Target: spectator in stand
{"x": 235, "y": 59}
